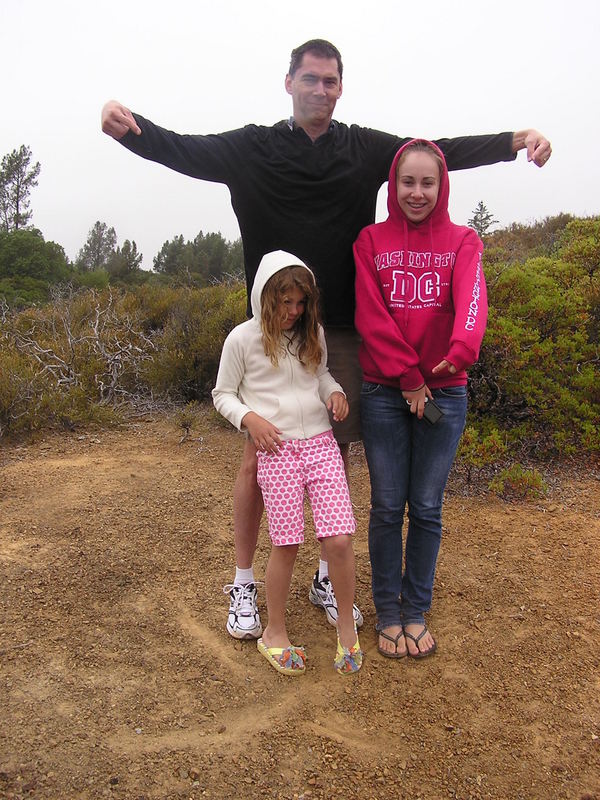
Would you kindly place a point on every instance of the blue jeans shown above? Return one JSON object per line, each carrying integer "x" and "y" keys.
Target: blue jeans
{"x": 409, "y": 462}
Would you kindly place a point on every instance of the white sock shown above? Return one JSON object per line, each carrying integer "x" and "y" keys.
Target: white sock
{"x": 243, "y": 576}
{"x": 323, "y": 569}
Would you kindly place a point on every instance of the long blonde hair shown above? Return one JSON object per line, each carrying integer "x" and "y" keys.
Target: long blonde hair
{"x": 306, "y": 330}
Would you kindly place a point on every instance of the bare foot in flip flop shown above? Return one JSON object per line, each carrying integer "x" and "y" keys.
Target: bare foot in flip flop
{"x": 391, "y": 642}
{"x": 275, "y": 638}
{"x": 419, "y": 641}
{"x": 281, "y": 655}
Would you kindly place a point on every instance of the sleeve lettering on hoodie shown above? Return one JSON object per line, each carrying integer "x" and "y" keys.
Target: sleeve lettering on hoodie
{"x": 474, "y": 304}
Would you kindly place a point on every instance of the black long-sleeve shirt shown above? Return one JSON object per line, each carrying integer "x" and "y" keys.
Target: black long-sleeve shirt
{"x": 308, "y": 198}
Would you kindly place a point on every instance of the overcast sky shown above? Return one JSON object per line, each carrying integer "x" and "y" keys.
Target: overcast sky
{"x": 427, "y": 69}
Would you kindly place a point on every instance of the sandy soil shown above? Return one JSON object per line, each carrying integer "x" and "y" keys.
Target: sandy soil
{"x": 119, "y": 680}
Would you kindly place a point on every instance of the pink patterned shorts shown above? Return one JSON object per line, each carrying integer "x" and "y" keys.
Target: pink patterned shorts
{"x": 313, "y": 464}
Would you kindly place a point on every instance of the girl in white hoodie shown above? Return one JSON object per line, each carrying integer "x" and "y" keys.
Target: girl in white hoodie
{"x": 273, "y": 382}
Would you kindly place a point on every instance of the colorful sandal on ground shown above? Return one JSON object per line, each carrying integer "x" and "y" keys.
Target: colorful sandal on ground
{"x": 288, "y": 660}
{"x": 347, "y": 661}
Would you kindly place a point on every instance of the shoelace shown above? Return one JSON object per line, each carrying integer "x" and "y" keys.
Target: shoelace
{"x": 243, "y": 597}
{"x": 329, "y": 593}
{"x": 330, "y": 597}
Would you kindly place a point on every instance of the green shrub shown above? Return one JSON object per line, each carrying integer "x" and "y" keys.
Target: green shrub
{"x": 215, "y": 419}
{"x": 62, "y": 363}
{"x": 580, "y": 244}
{"x": 28, "y": 266}
{"x": 517, "y": 482}
{"x": 518, "y": 242}
{"x": 94, "y": 279}
{"x": 30, "y": 399}
{"x": 537, "y": 376}
{"x": 190, "y": 342}
{"x": 478, "y": 449}
{"x": 90, "y": 351}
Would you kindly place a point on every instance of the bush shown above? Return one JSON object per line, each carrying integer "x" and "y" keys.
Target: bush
{"x": 517, "y": 482}
{"x": 30, "y": 399}
{"x": 477, "y": 449}
{"x": 194, "y": 326}
{"x": 537, "y": 376}
{"x": 518, "y": 242}
{"x": 94, "y": 279}
{"x": 90, "y": 351}
{"x": 62, "y": 363}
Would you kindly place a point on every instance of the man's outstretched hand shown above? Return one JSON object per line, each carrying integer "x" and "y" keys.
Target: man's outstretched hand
{"x": 538, "y": 147}
{"x": 117, "y": 120}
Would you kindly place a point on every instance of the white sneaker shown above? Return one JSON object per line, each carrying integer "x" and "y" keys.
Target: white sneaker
{"x": 321, "y": 594}
{"x": 243, "y": 621}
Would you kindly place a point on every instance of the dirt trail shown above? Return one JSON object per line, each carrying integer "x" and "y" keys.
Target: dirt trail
{"x": 119, "y": 680}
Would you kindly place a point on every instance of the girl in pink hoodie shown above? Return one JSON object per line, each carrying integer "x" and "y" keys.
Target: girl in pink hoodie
{"x": 421, "y": 310}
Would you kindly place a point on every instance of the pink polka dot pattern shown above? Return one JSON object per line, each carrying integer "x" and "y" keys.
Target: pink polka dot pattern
{"x": 313, "y": 464}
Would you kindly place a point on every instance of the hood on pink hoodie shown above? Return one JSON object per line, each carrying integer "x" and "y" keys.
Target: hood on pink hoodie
{"x": 440, "y": 214}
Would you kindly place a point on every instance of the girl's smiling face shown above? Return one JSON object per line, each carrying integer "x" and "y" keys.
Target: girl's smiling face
{"x": 417, "y": 184}
{"x": 292, "y": 306}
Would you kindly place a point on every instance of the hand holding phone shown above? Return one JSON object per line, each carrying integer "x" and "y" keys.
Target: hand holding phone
{"x": 432, "y": 413}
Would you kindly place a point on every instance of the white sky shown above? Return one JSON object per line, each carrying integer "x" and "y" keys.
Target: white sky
{"x": 427, "y": 69}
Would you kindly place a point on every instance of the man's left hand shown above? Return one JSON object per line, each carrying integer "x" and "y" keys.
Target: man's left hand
{"x": 538, "y": 147}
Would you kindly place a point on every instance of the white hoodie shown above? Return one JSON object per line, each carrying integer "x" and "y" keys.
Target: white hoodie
{"x": 290, "y": 396}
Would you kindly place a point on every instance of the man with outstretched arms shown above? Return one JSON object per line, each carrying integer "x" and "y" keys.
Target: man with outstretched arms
{"x": 306, "y": 185}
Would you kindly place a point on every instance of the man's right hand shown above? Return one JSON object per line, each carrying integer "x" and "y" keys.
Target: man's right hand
{"x": 117, "y": 120}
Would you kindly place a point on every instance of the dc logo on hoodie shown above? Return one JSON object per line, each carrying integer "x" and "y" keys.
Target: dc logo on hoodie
{"x": 409, "y": 287}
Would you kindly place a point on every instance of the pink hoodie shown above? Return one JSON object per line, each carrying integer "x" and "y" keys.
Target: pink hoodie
{"x": 420, "y": 295}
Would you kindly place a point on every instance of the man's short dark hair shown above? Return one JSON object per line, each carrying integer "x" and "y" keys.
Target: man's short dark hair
{"x": 318, "y": 47}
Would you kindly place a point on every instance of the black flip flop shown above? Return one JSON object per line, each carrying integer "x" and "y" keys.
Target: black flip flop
{"x": 416, "y": 640}
{"x": 393, "y": 639}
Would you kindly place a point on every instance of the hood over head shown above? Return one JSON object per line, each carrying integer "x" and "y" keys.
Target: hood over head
{"x": 270, "y": 264}
{"x": 440, "y": 211}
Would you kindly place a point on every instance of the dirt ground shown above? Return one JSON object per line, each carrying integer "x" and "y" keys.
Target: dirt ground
{"x": 118, "y": 678}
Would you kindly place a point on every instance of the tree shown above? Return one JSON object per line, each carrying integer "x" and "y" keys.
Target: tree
{"x": 482, "y": 219}
{"x": 29, "y": 266}
{"x": 17, "y": 179}
{"x": 234, "y": 266}
{"x": 206, "y": 260}
{"x": 124, "y": 263}
{"x": 98, "y": 249}
{"x": 210, "y": 252}
{"x": 171, "y": 257}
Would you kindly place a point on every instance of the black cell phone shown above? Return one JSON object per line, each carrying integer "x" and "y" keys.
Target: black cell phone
{"x": 432, "y": 412}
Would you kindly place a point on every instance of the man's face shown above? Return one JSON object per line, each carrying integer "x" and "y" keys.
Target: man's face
{"x": 315, "y": 88}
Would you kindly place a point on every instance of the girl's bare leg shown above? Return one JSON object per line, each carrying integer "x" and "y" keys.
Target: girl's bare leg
{"x": 340, "y": 557}
{"x": 247, "y": 508}
{"x": 278, "y": 577}
{"x": 345, "y": 451}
